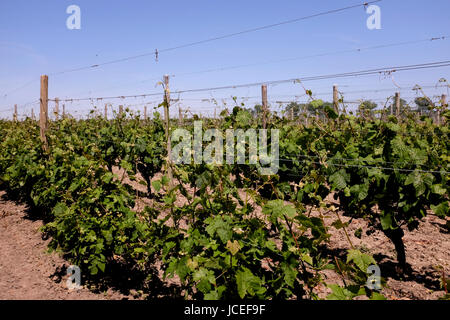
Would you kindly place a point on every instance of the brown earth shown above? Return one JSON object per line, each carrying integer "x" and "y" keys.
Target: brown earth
{"x": 27, "y": 271}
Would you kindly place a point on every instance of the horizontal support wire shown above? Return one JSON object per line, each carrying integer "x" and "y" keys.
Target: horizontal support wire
{"x": 388, "y": 70}
{"x": 157, "y": 52}
{"x": 366, "y": 166}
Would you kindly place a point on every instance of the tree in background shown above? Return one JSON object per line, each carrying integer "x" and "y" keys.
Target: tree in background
{"x": 404, "y": 106}
{"x": 256, "y": 111}
{"x": 367, "y": 107}
{"x": 423, "y": 105}
{"x": 296, "y": 108}
{"x": 313, "y": 108}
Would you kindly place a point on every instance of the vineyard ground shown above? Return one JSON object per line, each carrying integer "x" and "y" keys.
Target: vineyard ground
{"x": 27, "y": 271}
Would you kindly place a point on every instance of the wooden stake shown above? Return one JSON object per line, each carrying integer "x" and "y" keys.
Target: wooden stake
{"x": 397, "y": 104}
{"x": 336, "y": 99}
{"x": 145, "y": 113}
{"x": 106, "y": 111}
{"x": 167, "y": 118}
{"x": 180, "y": 116}
{"x": 43, "y": 115}
{"x": 444, "y": 105}
{"x": 56, "y": 108}
{"x": 32, "y": 115}
{"x": 264, "y": 104}
{"x": 64, "y": 111}
{"x": 15, "y": 113}
{"x": 305, "y": 113}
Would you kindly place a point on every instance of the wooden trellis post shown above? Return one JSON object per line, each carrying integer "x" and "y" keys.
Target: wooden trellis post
{"x": 167, "y": 119}
{"x": 106, "y": 111}
{"x": 305, "y": 112}
{"x": 264, "y": 104}
{"x": 43, "y": 115}
{"x": 443, "y": 105}
{"x": 64, "y": 111}
{"x": 180, "y": 116}
{"x": 32, "y": 115}
{"x": 56, "y": 108}
{"x": 145, "y": 113}
{"x": 397, "y": 104}
{"x": 336, "y": 99}
{"x": 15, "y": 113}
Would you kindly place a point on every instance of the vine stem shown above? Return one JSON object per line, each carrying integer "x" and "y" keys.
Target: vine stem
{"x": 292, "y": 232}
{"x": 345, "y": 230}
{"x": 444, "y": 280}
{"x": 323, "y": 220}
{"x": 298, "y": 247}
{"x": 340, "y": 271}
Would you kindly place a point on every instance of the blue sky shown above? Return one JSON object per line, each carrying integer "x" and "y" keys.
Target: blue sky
{"x": 34, "y": 40}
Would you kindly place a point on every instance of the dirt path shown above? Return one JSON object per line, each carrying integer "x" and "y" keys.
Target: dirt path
{"x": 27, "y": 271}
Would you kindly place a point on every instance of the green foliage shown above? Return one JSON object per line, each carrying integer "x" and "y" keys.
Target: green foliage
{"x": 354, "y": 275}
{"x": 204, "y": 226}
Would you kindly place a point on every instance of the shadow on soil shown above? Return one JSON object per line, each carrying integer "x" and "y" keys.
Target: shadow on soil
{"x": 430, "y": 279}
{"x": 126, "y": 280}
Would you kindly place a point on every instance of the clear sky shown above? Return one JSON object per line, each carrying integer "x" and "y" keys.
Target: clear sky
{"x": 34, "y": 40}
